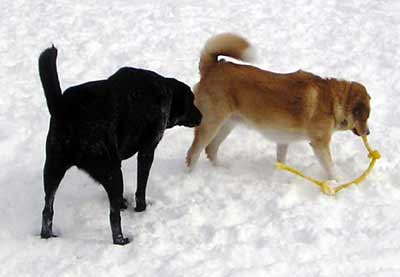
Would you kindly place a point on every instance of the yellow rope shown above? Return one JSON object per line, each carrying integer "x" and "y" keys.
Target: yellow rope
{"x": 324, "y": 185}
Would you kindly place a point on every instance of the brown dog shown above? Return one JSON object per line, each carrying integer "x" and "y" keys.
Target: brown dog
{"x": 283, "y": 107}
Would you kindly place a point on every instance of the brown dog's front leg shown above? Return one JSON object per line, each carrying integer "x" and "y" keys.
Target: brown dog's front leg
{"x": 281, "y": 152}
{"x": 323, "y": 154}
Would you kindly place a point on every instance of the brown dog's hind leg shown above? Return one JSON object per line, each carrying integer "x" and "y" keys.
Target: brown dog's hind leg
{"x": 202, "y": 137}
{"x": 213, "y": 146}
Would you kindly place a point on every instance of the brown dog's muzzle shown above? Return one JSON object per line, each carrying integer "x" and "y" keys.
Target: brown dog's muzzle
{"x": 361, "y": 130}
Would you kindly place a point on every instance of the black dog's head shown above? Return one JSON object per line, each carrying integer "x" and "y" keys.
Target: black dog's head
{"x": 183, "y": 111}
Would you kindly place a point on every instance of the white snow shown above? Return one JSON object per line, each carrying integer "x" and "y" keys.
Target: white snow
{"x": 243, "y": 218}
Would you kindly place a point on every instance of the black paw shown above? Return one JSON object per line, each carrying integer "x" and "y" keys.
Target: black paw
{"x": 47, "y": 235}
{"x": 124, "y": 204}
{"x": 120, "y": 240}
{"x": 140, "y": 205}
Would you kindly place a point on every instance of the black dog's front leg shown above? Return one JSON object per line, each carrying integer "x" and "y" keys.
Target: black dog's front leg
{"x": 145, "y": 160}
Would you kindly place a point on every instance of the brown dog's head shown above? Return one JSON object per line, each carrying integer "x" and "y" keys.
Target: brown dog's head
{"x": 358, "y": 109}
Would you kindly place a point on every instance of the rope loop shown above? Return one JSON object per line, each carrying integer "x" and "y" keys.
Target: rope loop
{"x": 325, "y": 187}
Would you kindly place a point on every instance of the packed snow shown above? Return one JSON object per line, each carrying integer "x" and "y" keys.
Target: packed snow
{"x": 242, "y": 218}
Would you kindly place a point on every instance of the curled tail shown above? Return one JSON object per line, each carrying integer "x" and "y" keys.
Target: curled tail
{"x": 49, "y": 78}
{"x": 226, "y": 44}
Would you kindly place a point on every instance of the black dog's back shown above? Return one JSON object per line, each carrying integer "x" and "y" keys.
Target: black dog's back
{"x": 112, "y": 116}
{"x": 125, "y": 89}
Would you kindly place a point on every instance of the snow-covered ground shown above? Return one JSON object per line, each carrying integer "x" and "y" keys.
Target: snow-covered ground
{"x": 241, "y": 219}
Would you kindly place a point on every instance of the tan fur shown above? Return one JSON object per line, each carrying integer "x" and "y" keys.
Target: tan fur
{"x": 283, "y": 107}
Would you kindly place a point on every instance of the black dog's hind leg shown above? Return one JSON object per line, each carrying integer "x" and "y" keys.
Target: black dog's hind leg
{"x": 114, "y": 188}
{"x": 53, "y": 173}
{"x": 110, "y": 176}
{"x": 144, "y": 162}
{"x": 124, "y": 204}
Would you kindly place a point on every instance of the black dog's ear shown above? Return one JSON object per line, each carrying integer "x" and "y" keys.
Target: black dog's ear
{"x": 183, "y": 111}
{"x": 178, "y": 101}
{"x": 182, "y": 95}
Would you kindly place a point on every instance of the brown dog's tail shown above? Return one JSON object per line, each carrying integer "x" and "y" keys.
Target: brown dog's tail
{"x": 225, "y": 44}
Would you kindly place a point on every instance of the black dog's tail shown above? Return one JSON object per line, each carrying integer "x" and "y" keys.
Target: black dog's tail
{"x": 49, "y": 77}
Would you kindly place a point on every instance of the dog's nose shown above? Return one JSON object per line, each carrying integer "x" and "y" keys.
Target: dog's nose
{"x": 368, "y": 132}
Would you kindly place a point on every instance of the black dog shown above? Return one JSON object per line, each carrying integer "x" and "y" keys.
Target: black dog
{"x": 98, "y": 124}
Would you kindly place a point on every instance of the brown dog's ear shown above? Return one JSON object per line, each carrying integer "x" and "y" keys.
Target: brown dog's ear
{"x": 358, "y": 101}
{"x": 360, "y": 111}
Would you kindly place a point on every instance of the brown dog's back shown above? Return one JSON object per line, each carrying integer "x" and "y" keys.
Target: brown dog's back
{"x": 266, "y": 99}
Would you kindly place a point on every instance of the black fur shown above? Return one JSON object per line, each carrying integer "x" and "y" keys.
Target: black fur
{"x": 96, "y": 125}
